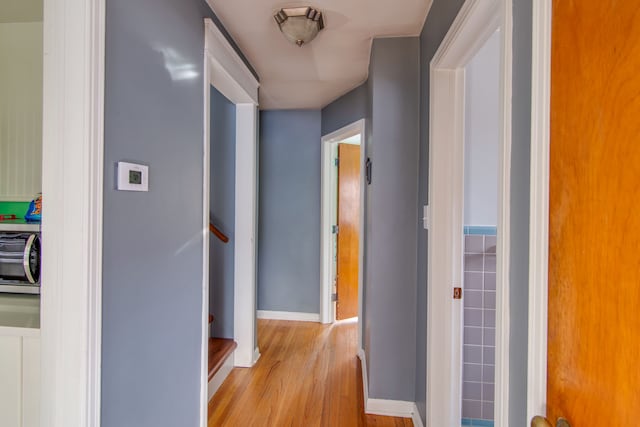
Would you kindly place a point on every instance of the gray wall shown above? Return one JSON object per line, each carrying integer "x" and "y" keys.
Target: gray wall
{"x": 519, "y": 262}
{"x": 441, "y": 15}
{"x": 345, "y": 110}
{"x": 289, "y": 205}
{"x": 222, "y": 213}
{"x": 152, "y": 261}
{"x": 482, "y": 135}
{"x": 392, "y": 218}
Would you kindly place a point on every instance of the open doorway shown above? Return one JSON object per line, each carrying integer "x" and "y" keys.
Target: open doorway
{"x": 234, "y": 102}
{"x": 482, "y": 137}
{"x": 447, "y": 371}
{"x": 342, "y": 224}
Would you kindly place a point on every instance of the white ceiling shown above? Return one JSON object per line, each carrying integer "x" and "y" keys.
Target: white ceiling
{"x": 337, "y": 61}
{"x": 20, "y": 11}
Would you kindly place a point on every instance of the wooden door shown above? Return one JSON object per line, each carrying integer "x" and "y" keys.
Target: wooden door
{"x": 594, "y": 230}
{"x": 348, "y": 230}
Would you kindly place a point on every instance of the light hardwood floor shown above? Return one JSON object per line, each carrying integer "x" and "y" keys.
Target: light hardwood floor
{"x": 308, "y": 375}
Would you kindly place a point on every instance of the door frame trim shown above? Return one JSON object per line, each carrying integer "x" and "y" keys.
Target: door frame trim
{"x": 539, "y": 209}
{"x": 327, "y": 313}
{"x": 73, "y": 107}
{"x": 475, "y": 23}
{"x": 225, "y": 70}
{"x": 72, "y": 181}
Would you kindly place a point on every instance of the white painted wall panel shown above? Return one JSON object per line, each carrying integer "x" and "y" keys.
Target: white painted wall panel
{"x": 20, "y": 110}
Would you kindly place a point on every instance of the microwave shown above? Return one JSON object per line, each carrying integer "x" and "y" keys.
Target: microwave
{"x": 20, "y": 261}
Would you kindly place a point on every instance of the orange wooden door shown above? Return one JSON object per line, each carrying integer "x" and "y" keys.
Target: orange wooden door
{"x": 348, "y": 230}
{"x": 594, "y": 229}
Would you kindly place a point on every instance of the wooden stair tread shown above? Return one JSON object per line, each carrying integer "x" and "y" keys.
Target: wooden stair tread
{"x": 219, "y": 350}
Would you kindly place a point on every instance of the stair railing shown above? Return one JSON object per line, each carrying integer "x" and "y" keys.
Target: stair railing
{"x": 219, "y": 234}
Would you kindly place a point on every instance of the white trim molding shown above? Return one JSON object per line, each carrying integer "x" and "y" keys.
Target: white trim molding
{"x": 245, "y": 253}
{"x": 444, "y": 327}
{"x": 539, "y": 214}
{"x": 72, "y": 177}
{"x": 365, "y": 377}
{"x": 288, "y": 315}
{"x": 475, "y": 23}
{"x": 391, "y": 408}
{"x": 503, "y": 249}
{"x": 415, "y": 417}
{"x": 228, "y": 72}
{"x": 225, "y": 70}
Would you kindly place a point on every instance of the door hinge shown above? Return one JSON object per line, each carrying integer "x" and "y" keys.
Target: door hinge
{"x": 334, "y": 297}
{"x": 336, "y": 161}
{"x": 457, "y": 293}
{"x": 335, "y": 229}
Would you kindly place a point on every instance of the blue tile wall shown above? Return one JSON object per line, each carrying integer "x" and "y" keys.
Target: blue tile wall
{"x": 479, "y": 326}
{"x": 480, "y": 230}
{"x": 475, "y": 422}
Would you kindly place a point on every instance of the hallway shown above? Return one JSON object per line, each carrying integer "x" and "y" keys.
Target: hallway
{"x": 308, "y": 375}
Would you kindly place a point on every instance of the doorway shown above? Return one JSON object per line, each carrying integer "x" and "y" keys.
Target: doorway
{"x": 342, "y": 224}
{"x": 482, "y": 122}
{"x": 225, "y": 71}
{"x": 476, "y": 23}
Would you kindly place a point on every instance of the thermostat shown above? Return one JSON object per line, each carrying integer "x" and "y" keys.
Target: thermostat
{"x": 133, "y": 177}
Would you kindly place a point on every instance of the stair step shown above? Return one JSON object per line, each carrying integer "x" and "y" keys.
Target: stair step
{"x": 219, "y": 350}
{"x": 210, "y": 318}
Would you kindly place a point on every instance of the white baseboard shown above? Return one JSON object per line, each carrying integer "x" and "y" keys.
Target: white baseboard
{"x": 415, "y": 417}
{"x": 365, "y": 380}
{"x": 391, "y": 408}
{"x": 222, "y": 374}
{"x": 288, "y": 315}
{"x": 256, "y": 355}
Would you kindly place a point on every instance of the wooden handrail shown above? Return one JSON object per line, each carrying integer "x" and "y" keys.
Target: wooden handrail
{"x": 219, "y": 234}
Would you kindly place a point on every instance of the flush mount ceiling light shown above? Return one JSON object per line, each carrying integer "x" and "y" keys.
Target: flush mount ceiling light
{"x": 300, "y": 25}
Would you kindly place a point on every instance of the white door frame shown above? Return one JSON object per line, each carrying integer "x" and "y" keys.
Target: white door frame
{"x": 72, "y": 188}
{"x": 225, "y": 70}
{"x": 539, "y": 209}
{"x": 475, "y": 23}
{"x": 328, "y": 218}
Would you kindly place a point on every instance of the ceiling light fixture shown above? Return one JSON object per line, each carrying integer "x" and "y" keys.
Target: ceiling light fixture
{"x": 300, "y": 25}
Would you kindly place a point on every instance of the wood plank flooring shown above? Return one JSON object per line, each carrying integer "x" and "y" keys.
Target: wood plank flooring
{"x": 308, "y": 375}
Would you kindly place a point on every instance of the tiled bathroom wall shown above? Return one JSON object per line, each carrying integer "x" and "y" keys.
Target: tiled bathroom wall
{"x": 479, "y": 327}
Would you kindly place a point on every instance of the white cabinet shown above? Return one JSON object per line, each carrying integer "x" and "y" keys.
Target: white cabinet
{"x": 19, "y": 379}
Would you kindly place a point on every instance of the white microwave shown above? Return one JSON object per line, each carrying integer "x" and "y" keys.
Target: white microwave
{"x": 20, "y": 255}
